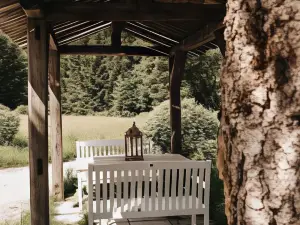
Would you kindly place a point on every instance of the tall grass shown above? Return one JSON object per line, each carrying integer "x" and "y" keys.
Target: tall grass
{"x": 73, "y": 128}
{"x": 25, "y": 218}
{"x": 13, "y": 156}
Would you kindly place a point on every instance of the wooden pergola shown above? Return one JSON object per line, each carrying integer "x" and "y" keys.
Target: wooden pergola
{"x": 175, "y": 28}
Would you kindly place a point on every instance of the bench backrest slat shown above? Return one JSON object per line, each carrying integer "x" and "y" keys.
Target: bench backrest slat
{"x": 91, "y": 148}
{"x": 141, "y": 187}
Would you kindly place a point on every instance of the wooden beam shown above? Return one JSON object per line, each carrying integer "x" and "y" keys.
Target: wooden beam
{"x": 33, "y": 8}
{"x": 220, "y": 40}
{"x": 175, "y": 103}
{"x": 62, "y": 11}
{"x": 53, "y": 40}
{"x": 38, "y": 120}
{"x": 53, "y": 43}
{"x": 117, "y": 28}
{"x": 196, "y": 40}
{"x": 110, "y": 50}
{"x": 56, "y": 125}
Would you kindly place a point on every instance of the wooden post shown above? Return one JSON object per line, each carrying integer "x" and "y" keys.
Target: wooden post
{"x": 38, "y": 120}
{"x": 56, "y": 125}
{"x": 219, "y": 34}
{"x": 175, "y": 106}
{"x": 117, "y": 28}
{"x": 171, "y": 62}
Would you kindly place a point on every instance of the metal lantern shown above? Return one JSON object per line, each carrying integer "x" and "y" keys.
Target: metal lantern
{"x": 134, "y": 144}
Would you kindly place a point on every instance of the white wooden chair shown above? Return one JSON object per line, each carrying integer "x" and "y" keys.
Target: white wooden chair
{"x": 149, "y": 189}
{"x": 87, "y": 150}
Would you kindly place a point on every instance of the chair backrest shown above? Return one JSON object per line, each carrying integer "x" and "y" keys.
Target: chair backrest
{"x": 91, "y": 148}
{"x": 149, "y": 188}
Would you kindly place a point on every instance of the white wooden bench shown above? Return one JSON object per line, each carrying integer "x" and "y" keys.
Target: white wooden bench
{"x": 87, "y": 150}
{"x": 92, "y": 148}
{"x": 149, "y": 189}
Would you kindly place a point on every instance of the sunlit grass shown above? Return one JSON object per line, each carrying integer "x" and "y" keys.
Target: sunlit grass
{"x": 25, "y": 218}
{"x": 74, "y": 128}
{"x": 13, "y": 156}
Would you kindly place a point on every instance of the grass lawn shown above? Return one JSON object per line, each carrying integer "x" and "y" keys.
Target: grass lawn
{"x": 74, "y": 128}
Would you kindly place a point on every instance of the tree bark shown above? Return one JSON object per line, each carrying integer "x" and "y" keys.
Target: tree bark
{"x": 259, "y": 150}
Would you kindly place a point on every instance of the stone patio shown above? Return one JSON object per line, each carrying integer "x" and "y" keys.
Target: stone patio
{"x": 67, "y": 213}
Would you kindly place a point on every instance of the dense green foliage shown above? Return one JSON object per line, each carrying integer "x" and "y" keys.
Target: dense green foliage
{"x": 13, "y": 74}
{"x": 70, "y": 183}
{"x": 217, "y": 200}
{"x": 202, "y": 76}
{"x": 9, "y": 124}
{"x": 22, "y": 109}
{"x": 126, "y": 86}
{"x": 199, "y": 128}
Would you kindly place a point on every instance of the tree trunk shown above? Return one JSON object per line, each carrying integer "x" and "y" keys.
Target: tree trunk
{"x": 259, "y": 142}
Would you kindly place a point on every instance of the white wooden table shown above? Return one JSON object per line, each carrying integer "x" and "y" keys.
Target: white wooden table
{"x": 82, "y": 165}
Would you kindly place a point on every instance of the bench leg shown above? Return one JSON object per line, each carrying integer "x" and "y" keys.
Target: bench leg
{"x": 79, "y": 191}
{"x": 91, "y": 220}
{"x": 206, "y": 218}
{"x": 194, "y": 220}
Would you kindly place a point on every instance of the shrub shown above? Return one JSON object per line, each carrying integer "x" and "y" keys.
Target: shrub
{"x": 217, "y": 201}
{"x": 22, "y": 109}
{"x": 199, "y": 125}
{"x": 70, "y": 183}
{"x": 9, "y": 125}
{"x": 20, "y": 141}
{"x": 208, "y": 150}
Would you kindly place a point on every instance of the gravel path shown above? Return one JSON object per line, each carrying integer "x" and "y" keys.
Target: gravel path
{"x": 15, "y": 191}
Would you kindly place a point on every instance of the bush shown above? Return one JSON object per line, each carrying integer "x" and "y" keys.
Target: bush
{"x": 208, "y": 150}
{"x": 20, "y": 141}
{"x": 199, "y": 128}
{"x": 217, "y": 201}
{"x": 70, "y": 183}
{"x": 9, "y": 125}
{"x": 22, "y": 109}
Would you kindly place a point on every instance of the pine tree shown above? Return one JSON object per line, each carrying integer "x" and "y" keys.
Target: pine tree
{"x": 154, "y": 73}
{"x": 202, "y": 78}
{"x": 77, "y": 85}
{"x": 13, "y": 74}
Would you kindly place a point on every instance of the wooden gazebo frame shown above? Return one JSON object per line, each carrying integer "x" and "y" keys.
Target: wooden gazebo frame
{"x": 46, "y": 28}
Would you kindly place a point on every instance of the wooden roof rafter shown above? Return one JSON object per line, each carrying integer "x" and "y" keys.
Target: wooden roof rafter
{"x": 83, "y": 36}
{"x": 198, "y": 39}
{"x": 70, "y": 27}
{"x": 148, "y": 30}
{"x": 156, "y": 22}
{"x": 86, "y": 32}
{"x": 77, "y": 29}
